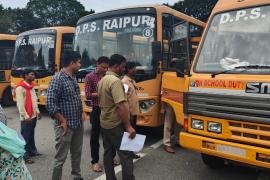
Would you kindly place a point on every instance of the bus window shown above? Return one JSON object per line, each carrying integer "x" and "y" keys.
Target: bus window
{"x": 32, "y": 51}
{"x": 166, "y": 21}
{"x": 6, "y": 54}
{"x": 132, "y": 40}
{"x": 67, "y": 43}
{"x": 174, "y": 42}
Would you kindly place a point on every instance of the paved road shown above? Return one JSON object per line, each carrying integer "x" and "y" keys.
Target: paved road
{"x": 154, "y": 165}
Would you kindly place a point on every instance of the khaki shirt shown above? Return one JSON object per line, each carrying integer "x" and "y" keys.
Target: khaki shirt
{"x": 132, "y": 97}
{"x": 20, "y": 98}
{"x": 110, "y": 92}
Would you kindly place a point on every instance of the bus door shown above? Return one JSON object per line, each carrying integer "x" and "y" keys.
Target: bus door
{"x": 176, "y": 56}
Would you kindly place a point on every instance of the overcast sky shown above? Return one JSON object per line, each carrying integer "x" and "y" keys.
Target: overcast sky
{"x": 97, "y": 5}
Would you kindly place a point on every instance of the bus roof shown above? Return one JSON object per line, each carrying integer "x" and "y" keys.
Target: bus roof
{"x": 163, "y": 8}
{"x": 65, "y": 29}
{"x": 225, "y": 5}
{"x": 7, "y": 37}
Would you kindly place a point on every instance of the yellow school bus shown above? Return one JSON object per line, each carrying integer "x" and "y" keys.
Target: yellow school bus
{"x": 7, "y": 45}
{"x": 41, "y": 50}
{"x": 226, "y": 98}
{"x": 149, "y": 35}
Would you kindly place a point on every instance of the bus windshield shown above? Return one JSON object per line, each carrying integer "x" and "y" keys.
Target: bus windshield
{"x": 6, "y": 54}
{"x": 128, "y": 35}
{"x": 237, "y": 39}
{"x": 34, "y": 52}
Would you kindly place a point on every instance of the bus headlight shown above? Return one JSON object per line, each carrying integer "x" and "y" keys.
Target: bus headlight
{"x": 214, "y": 127}
{"x": 197, "y": 124}
{"x": 43, "y": 92}
{"x": 146, "y": 105}
{"x": 151, "y": 102}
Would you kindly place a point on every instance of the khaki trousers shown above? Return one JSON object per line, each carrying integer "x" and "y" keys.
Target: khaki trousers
{"x": 169, "y": 126}
{"x": 73, "y": 141}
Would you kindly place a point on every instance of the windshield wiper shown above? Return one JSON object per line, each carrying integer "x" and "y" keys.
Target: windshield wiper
{"x": 242, "y": 67}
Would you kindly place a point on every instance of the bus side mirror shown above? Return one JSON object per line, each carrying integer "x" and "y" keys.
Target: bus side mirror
{"x": 156, "y": 51}
{"x": 180, "y": 65}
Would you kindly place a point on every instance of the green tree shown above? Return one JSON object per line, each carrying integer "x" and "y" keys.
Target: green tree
{"x": 197, "y": 9}
{"x": 25, "y": 20}
{"x": 6, "y": 21}
{"x": 55, "y": 13}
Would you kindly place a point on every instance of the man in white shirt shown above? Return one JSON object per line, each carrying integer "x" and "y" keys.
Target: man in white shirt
{"x": 27, "y": 105}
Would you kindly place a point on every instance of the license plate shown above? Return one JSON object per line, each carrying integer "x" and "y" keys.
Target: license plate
{"x": 231, "y": 150}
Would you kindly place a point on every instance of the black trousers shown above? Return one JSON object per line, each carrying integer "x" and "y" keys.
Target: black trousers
{"x": 28, "y": 133}
{"x": 111, "y": 142}
{"x": 94, "y": 139}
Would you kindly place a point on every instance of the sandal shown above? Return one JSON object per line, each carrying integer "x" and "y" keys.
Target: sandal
{"x": 96, "y": 167}
{"x": 29, "y": 161}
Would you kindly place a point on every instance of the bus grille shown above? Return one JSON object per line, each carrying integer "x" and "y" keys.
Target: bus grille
{"x": 239, "y": 108}
{"x": 248, "y": 117}
{"x": 252, "y": 133}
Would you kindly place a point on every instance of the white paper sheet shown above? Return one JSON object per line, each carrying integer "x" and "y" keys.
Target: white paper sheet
{"x": 126, "y": 88}
{"x": 135, "y": 144}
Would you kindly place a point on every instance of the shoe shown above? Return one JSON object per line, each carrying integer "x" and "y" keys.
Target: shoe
{"x": 96, "y": 167}
{"x": 29, "y": 161}
{"x": 136, "y": 156}
{"x": 169, "y": 149}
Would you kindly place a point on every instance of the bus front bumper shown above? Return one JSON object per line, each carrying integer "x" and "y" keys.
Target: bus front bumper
{"x": 247, "y": 154}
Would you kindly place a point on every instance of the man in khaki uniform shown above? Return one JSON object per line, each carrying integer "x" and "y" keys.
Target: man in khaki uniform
{"x": 132, "y": 98}
{"x": 114, "y": 118}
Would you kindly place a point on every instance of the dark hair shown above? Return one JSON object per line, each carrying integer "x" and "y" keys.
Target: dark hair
{"x": 116, "y": 59}
{"x": 26, "y": 72}
{"x": 69, "y": 56}
{"x": 103, "y": 59}
{"x": 130, "y": 65}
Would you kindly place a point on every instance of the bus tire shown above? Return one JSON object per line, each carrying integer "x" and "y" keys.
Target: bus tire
{"x": 213, "y": 162}
{"x": 7, "y": 97}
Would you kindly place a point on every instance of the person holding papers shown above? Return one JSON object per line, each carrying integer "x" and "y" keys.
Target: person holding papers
{"x": 115, "y": 118}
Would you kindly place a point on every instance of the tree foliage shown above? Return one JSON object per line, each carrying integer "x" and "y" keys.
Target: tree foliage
{"x": 55, "y": 13}
{"x": 197, "y": 9}
{"x": 38, "y": 14}
{"x": 25, "y": 20}
{"x": 5, "y": 20}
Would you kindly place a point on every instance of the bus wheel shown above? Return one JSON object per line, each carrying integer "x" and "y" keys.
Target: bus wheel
{"x": 213, "y": 162}
{"x": 7, "y": 97}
